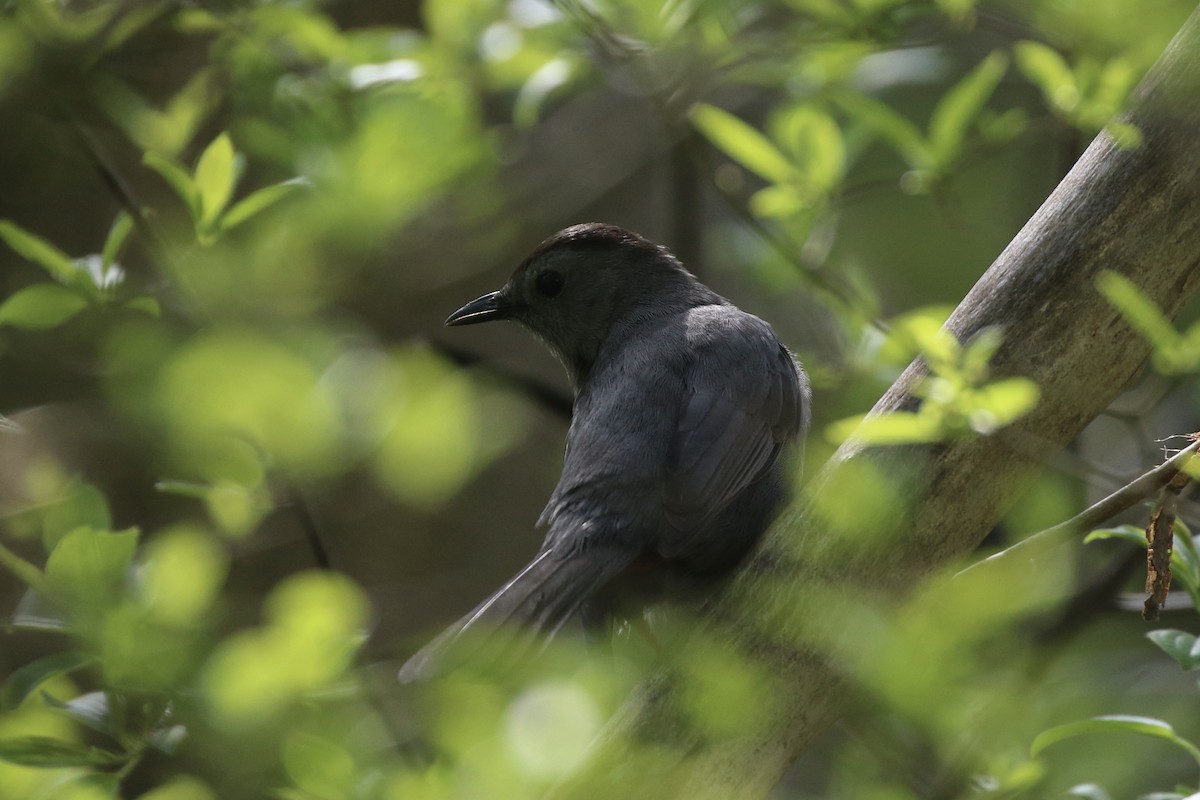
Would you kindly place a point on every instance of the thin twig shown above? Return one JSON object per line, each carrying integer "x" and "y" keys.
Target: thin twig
{"x": 1122, "y": 499}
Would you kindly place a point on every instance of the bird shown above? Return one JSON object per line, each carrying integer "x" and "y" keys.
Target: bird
{"x": 686, "y": 414}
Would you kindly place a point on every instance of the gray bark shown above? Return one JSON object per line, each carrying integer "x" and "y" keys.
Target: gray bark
{"x": 1136, "y": 212}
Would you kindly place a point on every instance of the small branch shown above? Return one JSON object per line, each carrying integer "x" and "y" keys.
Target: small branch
{"x": 1126, "y": 497}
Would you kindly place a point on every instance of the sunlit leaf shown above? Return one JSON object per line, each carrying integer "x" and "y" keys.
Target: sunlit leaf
{"x": 815, "y": 142}
{"x": 1126, "y": 135}
{"x": 1002, "y": 402}
{"x": 897, "y": 427}
{"x": 216, "y": 175}
{"x": 1047, "y": 70}
{"x": 779, "y": 200}
{"x": 181, "y": 575}
{"x": 41, "y": 306}
{"x": 36, "y": 249}
{"x": 742, "y": 143}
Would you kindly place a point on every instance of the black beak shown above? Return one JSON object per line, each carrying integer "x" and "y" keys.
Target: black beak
{"x": 482, "y": 309}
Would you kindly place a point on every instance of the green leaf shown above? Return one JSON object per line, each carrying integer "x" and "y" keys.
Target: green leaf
{"x": 259, "y": 201}
{"x": 80, "y": 506}
{"x": 815, "y": 143}
{"x": 117, "y": 234}
{"x": 742, "y": 143}
{"x": 1047, "y": 70}
{"x": 903, "y": 136}
{"x": 897, "y": 427}
{"x": 1125, "y": 135}
{"x": 146, "y": 304}
{"x": 42, "y": 751}
{"x": 179, "y": 180}
{"x": 38, "y": 250}
{"x": 23, "y": 681}
{"x": 1002, "y": 402}
{"x": 215, "y": 177}
{"x": 780, "y": 200}
{"x": 1119, "y": 723}
{"x": 1129, "y": 533}
{"x": 960, "y": 106}
{"x": 87, "y": 567}
{"x": 1182, "y": 646}
{"x": 41, "y": 306}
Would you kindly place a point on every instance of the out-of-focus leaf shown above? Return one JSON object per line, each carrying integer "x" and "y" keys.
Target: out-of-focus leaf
{"x": 36, "y": 249}
{"x": 183, "y": 787}
{"x": 1182, "y": 646}
{"x": 780, "y": 200}
{"x": 815, "y": 143}
{"x": 181, "y": 575}
{"x": 742, "y": 143}
{"x": 117, "y": 234}
{"x": 1146, "y": 318}
{"x": 146, "y": 304}
{"x": 1047, "y": 70}
{"x": 1002, "y": 402}
{"x": 319, "y": 766}
{"x": 903, "y": 136}
{"x": 1117, "y": 723}
{"x": 216, "y": 175}
{"x": 41, "y": 306}
{"x": 87, "y": 566}
{"x": 1126, "y": 135}
{"x": 23, "y": 681}
{"x": 179, "y": 180}
{"x": 80, "y": 506}
{"x": 898, "y": 427}
{"x": 259, "y": 201}
{"x": 45, "y": 752}
{"x": 960, "y": 106}
{"x": 528, "y": 104}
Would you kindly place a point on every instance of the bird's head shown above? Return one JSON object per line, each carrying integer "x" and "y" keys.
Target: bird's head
{"x": 583, "y": 284}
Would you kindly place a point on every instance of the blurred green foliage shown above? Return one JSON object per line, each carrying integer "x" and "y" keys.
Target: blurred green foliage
{"x": 279, "y": 201}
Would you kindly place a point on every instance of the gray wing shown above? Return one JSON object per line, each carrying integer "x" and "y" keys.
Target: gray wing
{"x": 732, "y": 425}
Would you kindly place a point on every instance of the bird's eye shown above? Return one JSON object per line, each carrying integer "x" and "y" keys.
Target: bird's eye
{"x": 548, "y": 283}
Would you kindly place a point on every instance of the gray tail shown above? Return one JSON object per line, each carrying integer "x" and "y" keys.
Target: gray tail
{"x": 531, "y": 607}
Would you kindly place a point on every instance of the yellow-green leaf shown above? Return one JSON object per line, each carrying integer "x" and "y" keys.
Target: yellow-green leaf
{"x": 742, "y": 143}
{"x": 41, "y": 306}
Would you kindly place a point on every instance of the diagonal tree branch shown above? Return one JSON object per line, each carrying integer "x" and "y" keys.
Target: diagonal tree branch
{"x": 1133, "y": 211}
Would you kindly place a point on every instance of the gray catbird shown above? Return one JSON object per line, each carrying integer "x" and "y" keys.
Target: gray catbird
{"x": 673, "y": 469}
